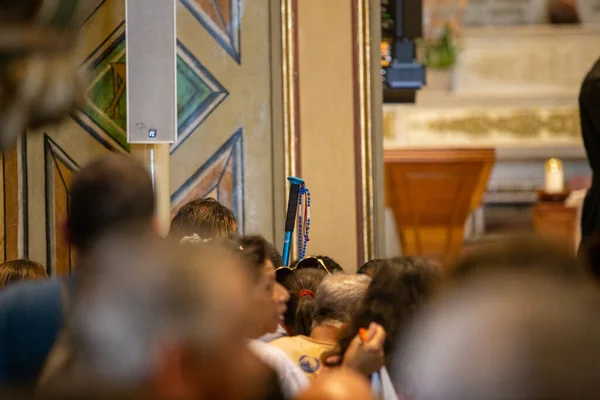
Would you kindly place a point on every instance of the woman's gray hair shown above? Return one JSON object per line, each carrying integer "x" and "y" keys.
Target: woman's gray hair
{"x": 339, "y": 297}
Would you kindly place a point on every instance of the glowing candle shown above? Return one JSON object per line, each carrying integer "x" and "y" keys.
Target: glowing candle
{"x": 554, "y": 176}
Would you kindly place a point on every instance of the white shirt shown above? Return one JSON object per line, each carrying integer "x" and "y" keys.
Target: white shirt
{"x": 382, "y": 385}
{"x": 292, "y": 380}
{"x": 269, "y": 337}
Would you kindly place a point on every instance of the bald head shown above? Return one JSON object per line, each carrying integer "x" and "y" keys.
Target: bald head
{"x": 339, "y": 384}
{"x": 517, "y": 336}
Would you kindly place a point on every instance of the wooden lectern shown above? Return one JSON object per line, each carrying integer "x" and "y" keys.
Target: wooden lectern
{"x": 432, "y": 192}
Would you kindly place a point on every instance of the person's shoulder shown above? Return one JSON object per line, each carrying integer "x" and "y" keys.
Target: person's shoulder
{"x": 32, "y": 293}
{"x": 284, "y": 341}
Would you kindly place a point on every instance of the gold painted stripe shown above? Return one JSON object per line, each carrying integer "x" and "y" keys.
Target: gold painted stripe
{"x": 366, "y": 139}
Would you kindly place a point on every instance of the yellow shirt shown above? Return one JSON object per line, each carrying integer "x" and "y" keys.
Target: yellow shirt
{"x": 305, "y": 352}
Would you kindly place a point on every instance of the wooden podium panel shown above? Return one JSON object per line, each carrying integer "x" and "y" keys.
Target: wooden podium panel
{"x": 556, "y": 222}
{"x": 432, "y": 193}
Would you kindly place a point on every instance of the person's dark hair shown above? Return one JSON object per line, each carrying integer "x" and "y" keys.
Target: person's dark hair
{"x": 329, "y": 262}
{"x": 371, "y": 267}
{"x": 399, "y": 289}
{"x": 113, "y": 191}
{"x": 518, "y": 253}
{"x": 302, "y": 286}
{"x": 206, "y": 218}
{"x": 274, "y": 255}
{"x": 253, "y": 250}
{"x": 20, "y": 270}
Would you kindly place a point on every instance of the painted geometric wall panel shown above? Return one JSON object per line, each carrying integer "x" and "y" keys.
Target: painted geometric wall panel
{"x": 94, "y": 6}
{"x": 59, "y": 172}
{"x": 210, "y": 75}
{"x": 105, "y": 114}
{"x": 221, "y": 177}
{"x": 198, "y": 94}
{"x": 221, "y": 18}
{"x": 10, "y": 209}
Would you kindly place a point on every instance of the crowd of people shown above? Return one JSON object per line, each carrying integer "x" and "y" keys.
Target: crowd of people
{"x": 207, "y": 313}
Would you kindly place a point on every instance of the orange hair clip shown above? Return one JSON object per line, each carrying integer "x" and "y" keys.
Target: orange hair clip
{"x": 362, "y": 332}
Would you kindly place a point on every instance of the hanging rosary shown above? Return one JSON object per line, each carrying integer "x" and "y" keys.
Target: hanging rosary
{"x": 298, "y": 212}
{"x": 303, "y": 220}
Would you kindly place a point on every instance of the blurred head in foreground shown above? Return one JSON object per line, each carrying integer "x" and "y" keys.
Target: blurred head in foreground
{"x": 518, "y": 253}
{"x": 168, "y": 320}
{"x": 20, "y": 270}
{"x": 507, "y": 336}
{"x": 40, "y": 79}
{"x": 112, "y": 193}
{"x": 339, "y": 384}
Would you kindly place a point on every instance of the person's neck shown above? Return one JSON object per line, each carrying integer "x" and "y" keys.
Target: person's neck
{"x": 327, "y": 333}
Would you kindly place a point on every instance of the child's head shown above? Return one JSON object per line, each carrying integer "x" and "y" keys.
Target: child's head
{"x": 206, "y": 218}
{"x": 20, "y": 270}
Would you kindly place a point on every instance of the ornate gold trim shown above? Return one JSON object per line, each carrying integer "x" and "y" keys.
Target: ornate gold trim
{"x": 363, "y": 35}
{"x": 289, "y": 85}
{"x": 524, "y": 123}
